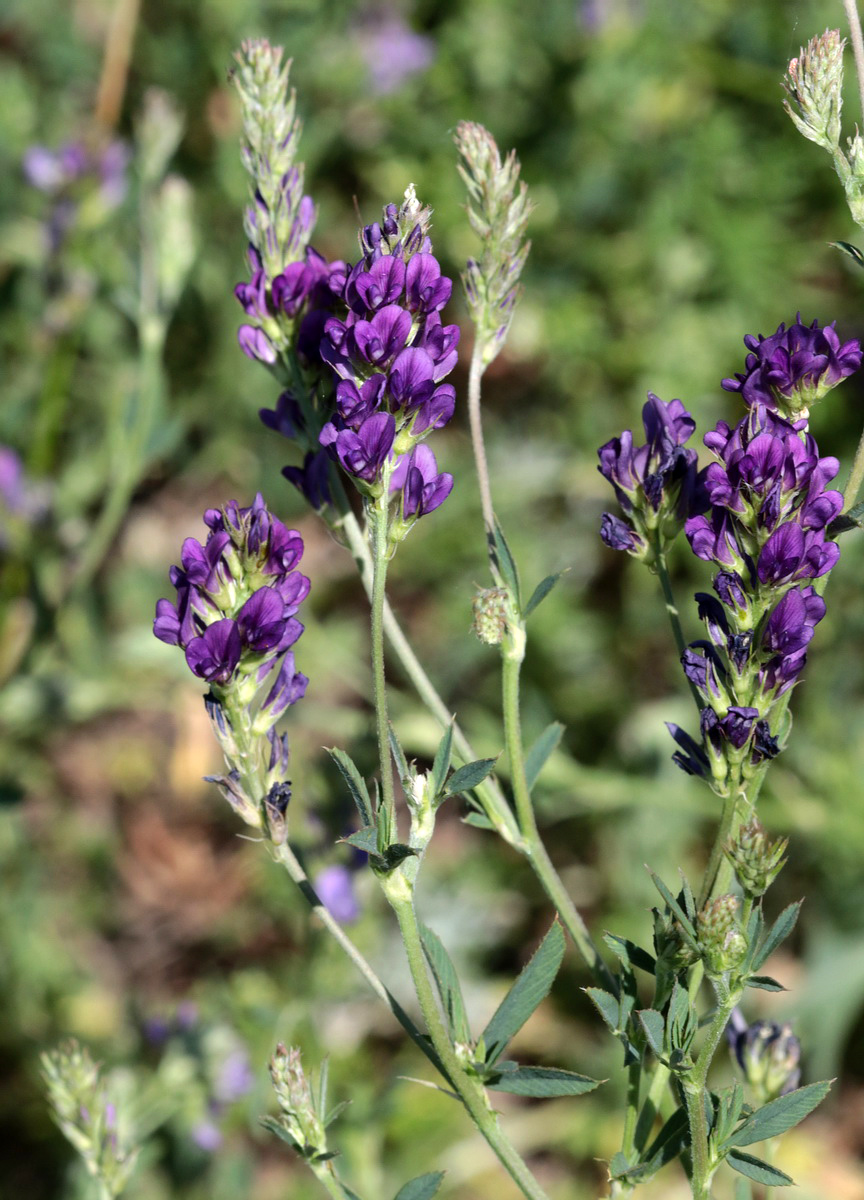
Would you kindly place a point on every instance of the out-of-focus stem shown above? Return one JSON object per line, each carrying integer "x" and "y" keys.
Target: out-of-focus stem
{"x": 857, "y": 40}
{"x": 379, "y": 682}
{"x": 115, "y": 64}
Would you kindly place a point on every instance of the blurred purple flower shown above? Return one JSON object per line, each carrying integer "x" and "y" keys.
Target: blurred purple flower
{"x": 234, "y": 1079}
{"x": 393, "y": 52}
{"x": 335, "y": 888}
{"x": 207, "y": 1136}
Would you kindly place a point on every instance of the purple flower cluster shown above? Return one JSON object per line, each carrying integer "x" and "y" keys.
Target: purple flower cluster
{"x": 794, "y": 367}
{"x": 237, "y": 596}
{"x": 290, "y": 308}
{"x": 73, "y": 173}
{"x": 766, "y": 531}
{"x": 655, "y": 484}
{"x": 390, "y": 354}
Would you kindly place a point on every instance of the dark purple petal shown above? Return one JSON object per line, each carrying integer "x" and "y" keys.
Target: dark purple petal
{"x": 215, "y": 655}
{"x": 255, "y": 344}
{"x": 261, "y": 620}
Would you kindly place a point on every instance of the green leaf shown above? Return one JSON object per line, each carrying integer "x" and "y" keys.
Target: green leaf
{"x": 756, "y": 1169}
{"x": 364, "y": 839}
{"x": 356, "y": 784}
{"x": 535, "y": 760}
{"x": 686, "y": 926}
{"x": 478, "y": 820}
{"x": 765, "y": 982}
{"x": 421, "y": 1188}
{"x": 670, "y": 1141}
{"x": 778, "y": 933}
{"x": 544, "y": 1082}
{"x": 273, "y": 1126}
{"x": 441, "y": 765}
{"x": 399, "y": 759}
{"x": 630, "y": 953}
{"x": 780, "y": 1114}
{"x": 531, "y": 987}
{"x": 607, "y": 1005}
{"x": 467, "y": 777}
{"x": 503, "y": 560}
{"x": 850, "y": 251}
{"x": 655, "y": 1028}
{"x": 447, "y": 982}
{"x": 541, "y": 591}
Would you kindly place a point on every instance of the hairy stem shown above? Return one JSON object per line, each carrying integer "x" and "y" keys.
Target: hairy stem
{"x": 695, "y": 1091}
{"x": 326, "y": 1176}
{"x": 856, "y": 477}
{"x": 470, "y": 1090}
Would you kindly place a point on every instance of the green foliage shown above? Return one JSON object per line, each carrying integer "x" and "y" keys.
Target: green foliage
{"x": 530, "y": 988}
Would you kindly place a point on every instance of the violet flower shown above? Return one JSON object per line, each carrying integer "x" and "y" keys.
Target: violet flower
{"x": 768, "y": 1054}
{"x": 794, "y": 367}
{"x": 655, "y": 484}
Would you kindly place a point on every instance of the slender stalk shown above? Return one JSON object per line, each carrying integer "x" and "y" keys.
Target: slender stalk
{"x": 695, "y": 1088}
{"x": 851, "y": 9}
{"x": 470, "y": 1090}
{"x": 662, "y": 569}
{"x": 475, "y": 376}
{"x": 737, "y": 809}
{"x": 534, "y": 849}
{"x": 634, "y": 1079}
{"x": 379, "y": 580}
{"x": 326, "y": 1176}
{"x": 286, "y": 856}
{"x": 115, "y": 64}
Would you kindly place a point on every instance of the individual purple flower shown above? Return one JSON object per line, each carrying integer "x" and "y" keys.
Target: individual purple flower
{"x": 234, "y": 1077}
{"x": 736, "y": 727}
{"x": 256, "y": 344}
{"x": 215, "y": 654}
{"x": 207, "y": 1136}
{"x": 792, "y": 553}
{"x": 312, "y": 479}
{"x": 690, "y": 755}
{"x": 423, "y": 488}
{"x": 335, "y": 888}
{"x": 794, "y": 367}
{"x": 362, "y": 454}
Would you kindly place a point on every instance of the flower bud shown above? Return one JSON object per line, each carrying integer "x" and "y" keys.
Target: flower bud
{"x": 490, "y": 615}
{"x": 814, "y": 82}
{"x": 720, "y": 938}
{"x": 757, "y": 861}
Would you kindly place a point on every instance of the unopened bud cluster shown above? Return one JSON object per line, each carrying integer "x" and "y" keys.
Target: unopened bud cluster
{"x": 491, "y": 606}
{"x": 86, "y": 1117}
{"x": 721, "y": 941}
{"x": 498, "y": 210}
{"x": 298, "y": 1115}
{"x": 756, "y": 860}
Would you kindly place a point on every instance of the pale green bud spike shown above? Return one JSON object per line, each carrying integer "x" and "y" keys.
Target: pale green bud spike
{"x": 814, "y": 81}
{"x": 498, "y": 212}
{"x": 86, "y": 1117}
{"x": 298, "y": 1115}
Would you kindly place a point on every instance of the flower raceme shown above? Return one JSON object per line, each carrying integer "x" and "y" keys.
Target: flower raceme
{"x": 237, "y": 596}
{"x": 655, "y": 484}
{"x": 760, "y": 513}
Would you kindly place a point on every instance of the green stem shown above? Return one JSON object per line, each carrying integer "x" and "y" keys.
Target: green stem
{"x": 470, "y": 1089}
{"x": 695, "y": 1091}
{"x": 475, "y": 377}
{"x": 531, "y": 843}
{"x": 662, "y": 569}
{"x": 737, "y": 809}
{"x": 634, "y": 1079}
{"x": 286, "y": 856}
{"x": 326, "y": 1176}
{"x": 495, "y": 804}
{"x": 856, "y": 477}
{"x": 379, "y": 683}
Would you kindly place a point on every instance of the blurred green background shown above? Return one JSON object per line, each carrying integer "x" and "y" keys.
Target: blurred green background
{"x": 677, "y": 210}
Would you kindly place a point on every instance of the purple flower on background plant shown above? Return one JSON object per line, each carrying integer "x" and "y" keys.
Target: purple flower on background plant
{"x": 794, "y": 367}
{"x": 655, "y": 484}
{"x": 768, "y": 1054}
{"x": 234, "y": 1078}
{"x": 335, "y": 888}
{"x": 207, "y": 1136}
{"x": 392, "y": 50}
{"x": 237, "y": 596}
